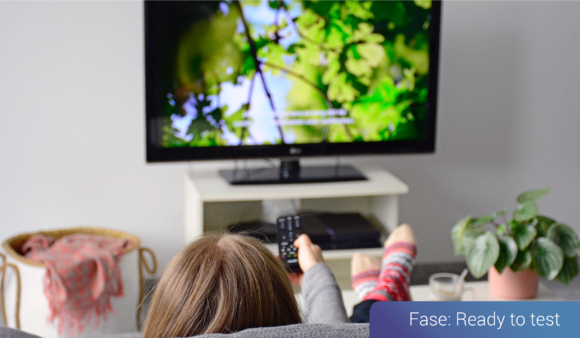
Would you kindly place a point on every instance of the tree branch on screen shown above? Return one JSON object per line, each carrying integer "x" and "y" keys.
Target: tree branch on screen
{"x": 254, "y": 52}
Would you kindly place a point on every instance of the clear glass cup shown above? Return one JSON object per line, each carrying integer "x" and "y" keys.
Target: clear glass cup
{"x": 445, "y": 287}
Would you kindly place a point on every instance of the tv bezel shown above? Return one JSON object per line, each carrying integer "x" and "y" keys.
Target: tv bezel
{"x": 155, "y": 153}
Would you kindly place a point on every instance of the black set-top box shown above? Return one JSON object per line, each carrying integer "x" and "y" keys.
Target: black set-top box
{"x": 340, "y": 231}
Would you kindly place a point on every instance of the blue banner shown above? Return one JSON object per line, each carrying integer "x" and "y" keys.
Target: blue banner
{"x": 475, "y": 319}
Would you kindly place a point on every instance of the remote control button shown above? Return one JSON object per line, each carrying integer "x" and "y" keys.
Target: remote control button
{"x": 290, "y": 261}
{"x": 290, "y": 227}
{"x": 283, "y": 237}
{"x": 284, "y": 243}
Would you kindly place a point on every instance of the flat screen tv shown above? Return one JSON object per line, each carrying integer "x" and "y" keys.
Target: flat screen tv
{"x": 290, "y": 78}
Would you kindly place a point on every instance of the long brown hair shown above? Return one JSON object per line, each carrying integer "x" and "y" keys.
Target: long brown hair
{"x": 220, "y": 284}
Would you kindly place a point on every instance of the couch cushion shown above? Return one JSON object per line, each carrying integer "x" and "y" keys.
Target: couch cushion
{"x": 6, "y": 332}
{"x": 301, "y": 331}
{"x": 298, "y": 331}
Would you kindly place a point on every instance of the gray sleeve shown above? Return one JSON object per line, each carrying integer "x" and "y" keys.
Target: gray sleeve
{"x": 322, "y": 297}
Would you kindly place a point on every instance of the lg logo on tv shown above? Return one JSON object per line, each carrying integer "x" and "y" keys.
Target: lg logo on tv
{"x": 295, "y": 151}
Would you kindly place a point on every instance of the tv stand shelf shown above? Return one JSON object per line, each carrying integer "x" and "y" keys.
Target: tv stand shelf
{"x": 211, "y": 203}
{"x": 337, "y": 254}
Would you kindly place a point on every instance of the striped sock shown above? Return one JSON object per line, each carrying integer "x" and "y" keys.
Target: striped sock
{"x": 365, "y": 282}
{"x": 395, "y": 275}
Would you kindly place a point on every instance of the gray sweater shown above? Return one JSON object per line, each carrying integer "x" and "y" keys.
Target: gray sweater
{"x": 322, "y": 297}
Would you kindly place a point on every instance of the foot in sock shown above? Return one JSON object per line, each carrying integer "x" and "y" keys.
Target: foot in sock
{"x": 398, "y": 261}
{"x": 365, "y": 272}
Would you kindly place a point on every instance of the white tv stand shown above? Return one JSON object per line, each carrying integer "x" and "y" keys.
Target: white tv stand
{"x": 211, "y": 203}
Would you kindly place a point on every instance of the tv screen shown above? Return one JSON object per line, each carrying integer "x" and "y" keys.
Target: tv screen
{"x": 247, "y": 79}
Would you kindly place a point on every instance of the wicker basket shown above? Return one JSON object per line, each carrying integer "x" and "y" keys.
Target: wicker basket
{"x": 21, "y": 284}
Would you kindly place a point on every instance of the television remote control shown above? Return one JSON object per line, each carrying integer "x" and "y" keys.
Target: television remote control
{"x": 289, "y": 228}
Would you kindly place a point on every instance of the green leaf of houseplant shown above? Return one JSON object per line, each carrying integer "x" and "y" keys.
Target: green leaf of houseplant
{"x": 469, "y": 237}
{"x": 481, "y": 221}
{"x": 532, "y": 196}
{"x": 508, "y": 251}
{"x": 501, "y": 229}
{"x": 463, "y": 234}
{"x": 565, "y": 238}
{"x": 483, "y": 254}
{"x": 525, "y": 212}
{"x": 499, "y": 213}
{"x": 548, "y": 258}
{"x": 569, "y": 271}
{"x": 544, "y": 223}
{"x": 522, "y": 262}
{"x": 513, "y": 224}
{"x": 524, "y": 235}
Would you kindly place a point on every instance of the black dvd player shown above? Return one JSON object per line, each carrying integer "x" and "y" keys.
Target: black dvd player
{"x": 333, "y": 231}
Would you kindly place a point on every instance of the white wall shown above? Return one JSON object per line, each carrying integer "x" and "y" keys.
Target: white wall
{"x": 72, "y": 122}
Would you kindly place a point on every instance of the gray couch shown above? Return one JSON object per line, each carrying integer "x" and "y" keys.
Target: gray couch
{"x": 323, "y": 311}
{"x": 298, "y": 331}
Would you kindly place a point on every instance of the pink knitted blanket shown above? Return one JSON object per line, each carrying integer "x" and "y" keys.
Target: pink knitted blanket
{"x": 82, "y": 274}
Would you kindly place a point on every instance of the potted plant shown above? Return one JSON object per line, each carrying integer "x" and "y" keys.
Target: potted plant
{"x": 515, "y": 252}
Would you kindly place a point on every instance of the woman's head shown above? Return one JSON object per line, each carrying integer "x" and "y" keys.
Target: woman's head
{"x": 220, "y": 284}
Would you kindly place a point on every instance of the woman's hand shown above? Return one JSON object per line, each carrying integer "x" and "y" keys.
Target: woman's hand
{"x": 308, "y": 253}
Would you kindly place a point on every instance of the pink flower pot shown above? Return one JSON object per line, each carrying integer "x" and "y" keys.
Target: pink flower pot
{"x": 513, "y": 285}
